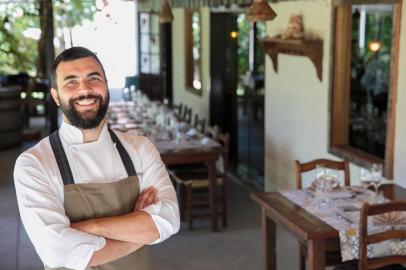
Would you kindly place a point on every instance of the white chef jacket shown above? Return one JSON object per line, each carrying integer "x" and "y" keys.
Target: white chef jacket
{"x": 40, "y": 191}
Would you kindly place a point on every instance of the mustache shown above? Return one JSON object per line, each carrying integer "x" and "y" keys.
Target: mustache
{"x": 98, "y": 97}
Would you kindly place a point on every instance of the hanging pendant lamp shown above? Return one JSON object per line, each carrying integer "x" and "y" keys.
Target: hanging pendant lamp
{"x": 260, "y": 11}
{"x": 165, "y": 15}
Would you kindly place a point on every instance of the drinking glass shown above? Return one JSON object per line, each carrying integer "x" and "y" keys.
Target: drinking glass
{"x": 332, "y": 178}
{"x": 320, "y": 172}
{"x": 322, "y": 187}
{"x": 365, "y": 178}
{"x": 376, "y": 175}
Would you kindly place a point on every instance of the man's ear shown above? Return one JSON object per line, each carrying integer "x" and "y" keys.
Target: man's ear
{"x": 55, "y": 96}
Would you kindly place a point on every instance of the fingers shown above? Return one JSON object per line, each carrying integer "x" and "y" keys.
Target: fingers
{"x": 147, "y": 197}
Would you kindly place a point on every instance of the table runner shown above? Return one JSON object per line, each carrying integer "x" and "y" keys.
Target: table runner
{"x": 343, "y": 214}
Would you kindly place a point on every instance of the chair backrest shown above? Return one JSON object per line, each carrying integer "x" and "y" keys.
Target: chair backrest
{"x": 224, "y": 140}
{"x": 187, "y": 114}
{"x": 178, "y": 109}
{"x": 366, "y": 239}
{"x": 199, "y": 124}
{"x": 308, "y": 166}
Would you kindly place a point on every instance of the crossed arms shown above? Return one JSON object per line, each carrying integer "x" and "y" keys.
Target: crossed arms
{"x": 124, "y": 234}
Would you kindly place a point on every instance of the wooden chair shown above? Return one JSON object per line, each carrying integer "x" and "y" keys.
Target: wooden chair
{"x": 308, "y": 166}
{"x": 199, "y": 124}
{"x": 333, "y": 256}
{"x": 390, "y": 262}
{"x": 187, "y": 114}
{"x": 365, "y": 239}
{"x": 212, "y": 132}
{"x": 178, "y": 109}
{"x": 193, "y": 187}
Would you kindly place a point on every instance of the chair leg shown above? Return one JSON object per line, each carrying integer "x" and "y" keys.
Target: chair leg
{"x": 224, "y": 201}
{"x": 189, "y": 206}
{"x": 179, "y": 189}
{"x": 302, "y": 258}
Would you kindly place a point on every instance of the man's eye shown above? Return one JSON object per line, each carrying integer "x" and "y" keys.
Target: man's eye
{"x": 72, "y": 82}
{"x": 94, "y": 79}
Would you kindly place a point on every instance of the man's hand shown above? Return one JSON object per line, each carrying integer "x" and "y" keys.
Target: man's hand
{"x": 147, "y": 197}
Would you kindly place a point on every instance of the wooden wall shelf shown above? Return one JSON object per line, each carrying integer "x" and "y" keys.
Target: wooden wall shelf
{"x": 312, "y": 48}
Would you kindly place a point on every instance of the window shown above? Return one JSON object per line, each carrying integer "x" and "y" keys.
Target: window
{"x": 366, "y": 41}
{"x": 149, "y": 43}
{"x": 193, "y": 52}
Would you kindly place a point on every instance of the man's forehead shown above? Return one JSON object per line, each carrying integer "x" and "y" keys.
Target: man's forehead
{"x": 85, "y": 64}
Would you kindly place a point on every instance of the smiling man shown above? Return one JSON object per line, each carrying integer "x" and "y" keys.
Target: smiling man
{"x": 90, "y": 196}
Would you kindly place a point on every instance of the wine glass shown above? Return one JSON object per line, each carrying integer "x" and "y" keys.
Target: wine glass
{"x": 376, "y": 175}
{"x": 320, "y": 172}
{"x": 331, "y": 178}
{"x": 321, "y": 186}
{"x": 365, "y": 178}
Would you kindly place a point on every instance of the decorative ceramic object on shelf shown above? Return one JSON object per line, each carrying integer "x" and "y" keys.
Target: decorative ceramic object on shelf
{"x": 295, "y": 29}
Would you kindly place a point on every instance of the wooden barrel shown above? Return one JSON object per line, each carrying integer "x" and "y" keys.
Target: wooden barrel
{"x": 10, "y": 117}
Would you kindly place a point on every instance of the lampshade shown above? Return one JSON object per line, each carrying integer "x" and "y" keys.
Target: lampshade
{"x": 260, "y": 11}
{"x": 165, "y": 15}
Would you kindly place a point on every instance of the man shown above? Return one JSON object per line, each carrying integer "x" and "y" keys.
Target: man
{"x": 89, "y": 196}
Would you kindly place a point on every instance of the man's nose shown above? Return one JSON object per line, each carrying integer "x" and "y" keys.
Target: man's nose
{"x": 84, "y": 88}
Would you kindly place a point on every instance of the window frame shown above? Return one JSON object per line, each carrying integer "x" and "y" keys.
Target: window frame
{"x": 189, "y": 71}
{"x": 340, "y": 86}
{"x": 149, "y": 35}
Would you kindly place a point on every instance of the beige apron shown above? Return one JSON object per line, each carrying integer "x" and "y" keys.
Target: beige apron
{"x": 94, "y": 200}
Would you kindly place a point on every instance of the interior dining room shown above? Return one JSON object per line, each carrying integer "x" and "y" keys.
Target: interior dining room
{"x": 227, "y": 134}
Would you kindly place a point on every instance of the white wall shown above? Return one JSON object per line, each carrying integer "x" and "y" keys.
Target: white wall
{"x": 199, "y": 104}
{"x": 297, "y": 104}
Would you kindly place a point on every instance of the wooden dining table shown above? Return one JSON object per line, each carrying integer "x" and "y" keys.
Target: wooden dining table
{"x": 305, "y": 227}
{"x": 207, "y": 155}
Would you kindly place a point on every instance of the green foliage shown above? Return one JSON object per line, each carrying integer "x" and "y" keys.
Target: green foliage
{"x": 19, "y": 53}
{"x": 378, "y": 26}
{"x": 243, "y": 45}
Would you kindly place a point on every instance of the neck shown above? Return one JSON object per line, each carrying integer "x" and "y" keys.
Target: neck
{"x": 91, "y": 135}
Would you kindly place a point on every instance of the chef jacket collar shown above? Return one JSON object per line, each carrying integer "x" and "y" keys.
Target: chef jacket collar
{"x": 74, "y": 135}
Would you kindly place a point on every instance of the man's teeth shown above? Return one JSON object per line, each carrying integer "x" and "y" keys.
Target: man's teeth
{"x": 86, "y": 101}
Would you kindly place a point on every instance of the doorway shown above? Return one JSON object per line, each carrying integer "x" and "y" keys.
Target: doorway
{"x": 237, "y": 92}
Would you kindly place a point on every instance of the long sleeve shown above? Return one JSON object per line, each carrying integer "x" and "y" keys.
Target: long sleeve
{"x": 154, "y": 174}
{"x": 43, "y": 215}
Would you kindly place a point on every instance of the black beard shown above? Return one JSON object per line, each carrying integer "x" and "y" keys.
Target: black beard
{"x": 78, "y": 120}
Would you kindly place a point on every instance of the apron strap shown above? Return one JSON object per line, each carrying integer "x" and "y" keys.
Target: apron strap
{"x": 61, "y": 158}
{"x": 125, "y": 157}
{"x": 63, "y": 163}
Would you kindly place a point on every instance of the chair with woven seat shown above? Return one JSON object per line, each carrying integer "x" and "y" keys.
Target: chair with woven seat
{"x": 333, "y": 256}
{"x": 388, "y": 262}
{"x": 193, "y": 186}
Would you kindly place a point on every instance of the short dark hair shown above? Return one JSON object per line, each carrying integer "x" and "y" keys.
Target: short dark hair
{"x": 71, "y": 54}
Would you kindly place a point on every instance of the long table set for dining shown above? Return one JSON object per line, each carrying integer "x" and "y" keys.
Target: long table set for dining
{"x": 159, "y": 123}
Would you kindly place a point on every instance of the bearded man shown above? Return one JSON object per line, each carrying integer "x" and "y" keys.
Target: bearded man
{"x": 89, "y": 196}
